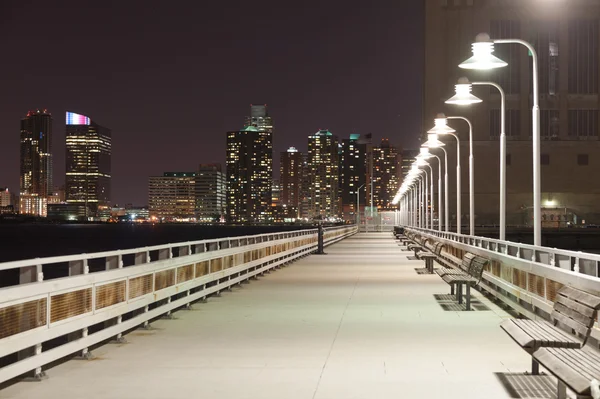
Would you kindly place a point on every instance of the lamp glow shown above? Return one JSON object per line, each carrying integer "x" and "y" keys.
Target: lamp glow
{"x": 463, "y": 94}
{"x": 483, "y": 57}
{"x": 433, "y": 142}
{"x": 441, "y": 125}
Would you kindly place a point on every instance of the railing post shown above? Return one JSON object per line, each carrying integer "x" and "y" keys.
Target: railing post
{"x": 114, "y": 262}
{"x": 31, "y": 274}
{"x": 320, "y": 241}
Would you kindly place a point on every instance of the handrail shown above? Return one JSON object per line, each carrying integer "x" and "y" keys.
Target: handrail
{"x": 523, "y": 276}
{"x": 94, "y": 255}
{"x": 122, "y": 298}
{"x": 519, "y": 250}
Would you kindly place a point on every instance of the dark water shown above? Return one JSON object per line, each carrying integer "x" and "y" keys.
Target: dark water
{"x": 27, "y": 241}
{"x": 18, "y": 241}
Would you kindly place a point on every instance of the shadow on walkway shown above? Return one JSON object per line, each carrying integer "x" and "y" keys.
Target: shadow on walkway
{"x": 448, "y": 303}
{"x": 519, "y": 385}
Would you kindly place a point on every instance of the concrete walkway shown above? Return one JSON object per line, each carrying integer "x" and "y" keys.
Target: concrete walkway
{"x": 356, "y": 323}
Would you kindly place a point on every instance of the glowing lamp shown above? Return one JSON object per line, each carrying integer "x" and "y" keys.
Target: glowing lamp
{"x": 463, "y": 94}
{"x": 441, "y": 125}
{"x": 483, "y": 57}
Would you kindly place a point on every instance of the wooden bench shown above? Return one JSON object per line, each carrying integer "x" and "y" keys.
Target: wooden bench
{"x": 573, "y": 318}
{"x": 408, "y": 237}
{"x": 433, "y": 252}
{"x": 574, "y": 368}
{"x": 469, "y": 274}
{"x": 416, "y": 248}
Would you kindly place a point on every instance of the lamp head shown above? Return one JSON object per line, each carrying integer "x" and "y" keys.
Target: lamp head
{"x": 432, "y": 141}
{"x": 441, "y": 125}
{"x": 421, "y": 161}
{"x": 483, "y": 57}
{"x": 424, "y": 153}
{"x": 463, "y": 94}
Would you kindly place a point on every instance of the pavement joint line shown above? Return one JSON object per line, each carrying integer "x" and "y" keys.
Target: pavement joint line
{"x": 336, "y": 335}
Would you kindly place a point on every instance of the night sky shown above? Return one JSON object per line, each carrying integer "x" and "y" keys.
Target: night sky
{"x": 171, "y": 77}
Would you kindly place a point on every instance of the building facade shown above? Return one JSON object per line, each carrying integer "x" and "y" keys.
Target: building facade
{"x": 386, "y": 175}
{"x": 211, "y": 191}
{"x": 353, "y": 176}
{"x": 290, "y": 167}
{"x": 407, "y": 158}
{"x": 172, "y": 196}
{"x": 5, "y": 197}
{"x": 6, "y": 204}
{"x": 323, "y": 164}
{"x": 249, "y": 175}
{"x": 566, "y": 37}
{"x": 88, "y": 163}
{"x": 35, "y": 162}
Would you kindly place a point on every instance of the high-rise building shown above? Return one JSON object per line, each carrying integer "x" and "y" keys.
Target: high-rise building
{"x": 407, "y": 158}
{"x": 5, "y": 197}
{"x": 88, "y": 163}
{"x": 259, "y": 118}
{"x": 566, "y": 37}
{"x": 36, "y": 162}
{"x": 275, "y": 193}
{"x": 386, "y": 175}
{"x": 211, "y": 192}
{"x": 249, "y": 175}
{"x": 6, "y": 204}
{"x": 323, "y": 164}
{"x": 305, "y": 194}
{"x": 353, "y": 175}
{"x": 290, "y": 167}
{"x": 172, "y": 196}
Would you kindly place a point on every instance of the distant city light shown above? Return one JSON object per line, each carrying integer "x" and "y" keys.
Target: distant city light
{"x": 77, "y": 119}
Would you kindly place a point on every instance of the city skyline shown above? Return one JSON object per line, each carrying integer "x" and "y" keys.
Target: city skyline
{"x": 167, "y": 107}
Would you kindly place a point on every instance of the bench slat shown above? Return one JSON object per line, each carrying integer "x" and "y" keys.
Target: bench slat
{"x": 583, "y": 309}
{"x": 582, "y": 359}
{"x": 566, "y": 340}
{"x": 554, "y": 360}
{"x": 580, "y": 328}
{"x": 556, "y": 337}
{"x": 580, "y": 296}
{"x": 572, "y": 314}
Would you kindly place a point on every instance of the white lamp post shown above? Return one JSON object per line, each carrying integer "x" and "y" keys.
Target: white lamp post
{"x": 358, "y": 207}
{"x": 439, "y": 129}
{"x": 428, "y": 216}
{"x": 484, "y": 59}
{"x": 432, "y": 143}
{"x": 425, "y": 154}
{"x": 462, "y": 97}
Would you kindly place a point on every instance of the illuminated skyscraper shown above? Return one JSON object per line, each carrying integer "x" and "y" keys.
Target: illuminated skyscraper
{"x": 353, "y": 174}
{"x": 290, "y": 177}
{"x": 249, "y": 174}
{"x": 259, "y": 118}
{"x": 88, "y": 163}
{"x": 386, "y": 175}
{"x": 172, "y": 197}
{"x": 407, "y": 159}
{"x": 323, "y": 164}
{"x": 210, "y": 192}
{"x": 36, "y": 162}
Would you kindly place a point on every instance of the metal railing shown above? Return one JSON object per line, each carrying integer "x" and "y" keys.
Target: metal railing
{"x": 525, "y": 277}
{"x": 88, "y": 308}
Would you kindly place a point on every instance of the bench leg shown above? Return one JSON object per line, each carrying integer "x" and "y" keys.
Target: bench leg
{"x": 459, "y": 293}
{"x": 429, "y": 265}
{"x": 451, "y": 289}
{"x": 561, "y": 392}
{"x": 535, "y": 367}
{"x": 468, "y": 296}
